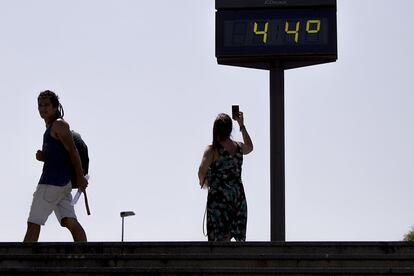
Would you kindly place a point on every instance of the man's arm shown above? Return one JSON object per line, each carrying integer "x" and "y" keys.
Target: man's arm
{"x": 40, "y": 156}
{"x": 62, "y": 132}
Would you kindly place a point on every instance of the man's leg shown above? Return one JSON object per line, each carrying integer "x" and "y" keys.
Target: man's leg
{"x": 39, "y": 212}
{"x": 32, "y": 233}
{"x": 75, "y": 229}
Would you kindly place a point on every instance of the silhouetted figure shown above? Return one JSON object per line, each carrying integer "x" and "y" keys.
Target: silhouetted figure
{"x": 60, "y": 157}
{"x": 220, "y": 170}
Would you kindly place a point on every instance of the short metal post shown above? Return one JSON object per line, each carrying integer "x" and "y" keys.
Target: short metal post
{"x": 123, "y": 215}
{"x": 122, "y": 238}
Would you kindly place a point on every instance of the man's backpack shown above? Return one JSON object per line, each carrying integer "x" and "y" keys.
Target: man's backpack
{"x": 83, "y": 154}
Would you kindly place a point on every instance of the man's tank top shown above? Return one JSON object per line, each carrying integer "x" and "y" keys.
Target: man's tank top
{"x": 57, "y": 167}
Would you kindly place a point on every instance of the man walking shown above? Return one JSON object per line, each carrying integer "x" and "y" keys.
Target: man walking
{"x": 61, "y": 160}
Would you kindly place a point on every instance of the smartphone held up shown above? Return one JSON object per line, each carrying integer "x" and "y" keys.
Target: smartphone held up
{"x": 235, "y": 112}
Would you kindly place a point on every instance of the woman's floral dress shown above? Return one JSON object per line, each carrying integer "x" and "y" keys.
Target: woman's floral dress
{"x": 226, "y": 201}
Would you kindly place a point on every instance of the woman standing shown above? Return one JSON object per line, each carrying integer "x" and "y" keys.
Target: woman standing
{"x": 220, "y": 170}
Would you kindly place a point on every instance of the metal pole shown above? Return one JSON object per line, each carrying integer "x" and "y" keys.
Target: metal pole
{"x": 124, "y": 214}
{"x": 122, "y": 238}
{"x": 277, "y": 153}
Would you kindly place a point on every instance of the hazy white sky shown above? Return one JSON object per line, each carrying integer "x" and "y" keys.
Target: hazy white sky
{"x": 140, "y": 82}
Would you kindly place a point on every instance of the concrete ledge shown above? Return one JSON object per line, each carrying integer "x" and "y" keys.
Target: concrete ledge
{"x": 204, "y": 258}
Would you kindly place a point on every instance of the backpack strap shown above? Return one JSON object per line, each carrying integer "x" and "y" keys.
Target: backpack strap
{"x": 88, "y": 211}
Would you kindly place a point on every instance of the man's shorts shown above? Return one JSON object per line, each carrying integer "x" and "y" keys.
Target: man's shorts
{"x": 48, "y": 199}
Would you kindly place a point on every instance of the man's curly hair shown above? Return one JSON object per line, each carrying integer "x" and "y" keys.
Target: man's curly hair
{"x": 54, "y": 99}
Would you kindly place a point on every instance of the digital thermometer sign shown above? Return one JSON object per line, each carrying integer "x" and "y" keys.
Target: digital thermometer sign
{"x": 298, "y": 33}
{"x": 276, "y": 35}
